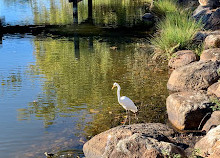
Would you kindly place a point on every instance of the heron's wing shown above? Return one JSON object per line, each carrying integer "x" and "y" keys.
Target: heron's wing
{"x": 128, "y": 104}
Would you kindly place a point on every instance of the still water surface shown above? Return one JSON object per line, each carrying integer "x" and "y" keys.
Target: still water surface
{"x": 60, "y": 12}
{"x": 55, "y": 92}
{"x": 54, "y": 96}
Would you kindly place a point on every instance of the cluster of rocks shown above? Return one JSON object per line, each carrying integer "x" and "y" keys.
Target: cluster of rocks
{"x": 194, "y": 82}
{"x": 150, "y": 140}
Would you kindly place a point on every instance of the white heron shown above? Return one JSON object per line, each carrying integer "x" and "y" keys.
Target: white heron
{"x": 125, "y": 102}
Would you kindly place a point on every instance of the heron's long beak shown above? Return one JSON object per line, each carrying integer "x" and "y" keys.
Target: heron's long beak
{"x": 113, "y": 87}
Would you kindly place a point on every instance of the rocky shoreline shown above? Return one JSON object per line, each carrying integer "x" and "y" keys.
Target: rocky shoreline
{"x": 193, "y": 84}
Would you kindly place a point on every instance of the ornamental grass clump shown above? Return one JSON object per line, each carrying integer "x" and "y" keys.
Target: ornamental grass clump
{"x": 176, "y": 31}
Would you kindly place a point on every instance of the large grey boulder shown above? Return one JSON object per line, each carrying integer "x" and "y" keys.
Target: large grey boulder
{"x": 209, "y": 17}
{"x": 210, "y": 144}
{"x": 195, "y": 76}
{"x": 202, "y": 13}
{"x": 213, "y": 22}
{"x": 186, "y": 109}
{"x": 138, "y": 140}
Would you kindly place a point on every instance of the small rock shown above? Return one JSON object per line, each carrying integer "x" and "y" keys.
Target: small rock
{"x": 200, "y": 36}
{"x": 194, "y": 76}
{"x": 214, "y": 89}
{"x": 182, "y": 58}
{"x": 148, "y": 17}
{"x": 213, "y": 121}
{"x": 212, "y": 41}
{"x": 187, "y": 109}
{"x": 210, "y": 54}
{"x": 210, "y": 144}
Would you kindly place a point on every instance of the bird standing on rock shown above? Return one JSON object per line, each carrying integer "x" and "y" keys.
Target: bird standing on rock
{"x": 125, "y": 102}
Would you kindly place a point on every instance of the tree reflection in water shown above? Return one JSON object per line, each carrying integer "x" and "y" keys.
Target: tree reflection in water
{"x": 103, "y": 12}
{"x": 74, "y": 84}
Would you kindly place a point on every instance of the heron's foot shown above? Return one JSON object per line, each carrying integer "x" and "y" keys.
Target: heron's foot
{"x": 126, "y": 117}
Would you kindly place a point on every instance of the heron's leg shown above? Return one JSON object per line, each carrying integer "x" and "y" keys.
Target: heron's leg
{"x": 129, "y": 117}
{"x": 126, "y": 117}
{"x": 135, "y": 116}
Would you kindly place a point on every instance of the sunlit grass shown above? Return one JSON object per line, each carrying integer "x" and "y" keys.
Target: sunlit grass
{"x": 162, "y": 7}
{"x": 175, "y": 31}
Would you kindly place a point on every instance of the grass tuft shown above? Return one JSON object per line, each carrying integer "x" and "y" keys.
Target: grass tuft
{"x": 176, "y": 31}
{"x": 162, "y": 7}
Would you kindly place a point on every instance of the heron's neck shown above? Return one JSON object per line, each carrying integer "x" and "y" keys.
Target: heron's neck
{"x": 118, "y": 93}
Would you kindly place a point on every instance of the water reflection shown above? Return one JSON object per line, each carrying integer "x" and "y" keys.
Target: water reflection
{"x": 1, "y": 35}
{"x": 79, "y": 73}
{"x": 55, "y": 92}
{"x": 60, "y": 12}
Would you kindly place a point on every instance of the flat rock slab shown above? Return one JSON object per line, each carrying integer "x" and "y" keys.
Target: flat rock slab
{"x": 187, "y": 109}
{"x": 138, "y": 140}
{"x": 210, "y": 144}
{"x": 210, "y": 54}
{"x": 195, "y": 76}
{"x": 182, "y": 58}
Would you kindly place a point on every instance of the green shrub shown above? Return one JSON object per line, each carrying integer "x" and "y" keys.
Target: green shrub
{"x": 175, "y": 31}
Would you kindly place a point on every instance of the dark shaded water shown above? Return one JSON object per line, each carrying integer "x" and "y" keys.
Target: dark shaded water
{"x": 55, "y": 92}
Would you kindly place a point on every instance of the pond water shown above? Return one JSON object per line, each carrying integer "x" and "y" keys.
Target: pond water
{"x": 60, "y": 12}
{"x": 54, "y": 95}
{"x": 55, "y": 92}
